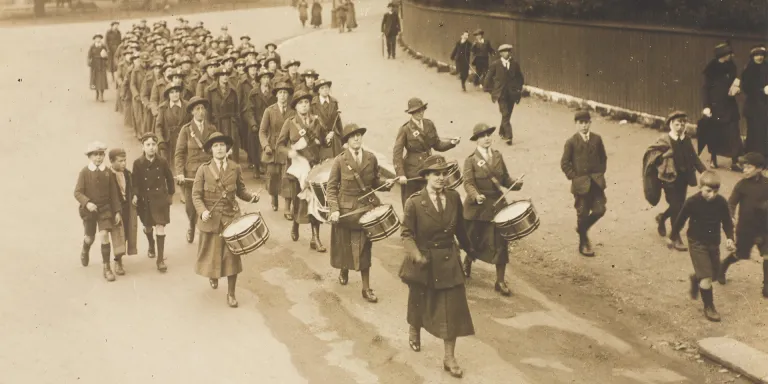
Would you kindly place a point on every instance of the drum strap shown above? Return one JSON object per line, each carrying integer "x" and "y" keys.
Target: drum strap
{"x": 484, "y": 165}
{"x": 192, "y": 133}
{"x": 373, "y": 199}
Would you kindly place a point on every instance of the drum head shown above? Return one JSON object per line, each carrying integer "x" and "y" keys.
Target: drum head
{"x": 320, "y": 173}
{"x": 511, "y": 211}
{"x": 375, "y": 213}
{"x": 240, "y": 225}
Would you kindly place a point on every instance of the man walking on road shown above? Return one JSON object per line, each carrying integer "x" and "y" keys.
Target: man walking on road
{"x": 505, "y": 83}
{"x": 390, "y": 28}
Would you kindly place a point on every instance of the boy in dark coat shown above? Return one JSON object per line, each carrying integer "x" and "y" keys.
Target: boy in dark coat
{"x": 707, "y": 211}
{"x": 123, "y": 234}
{"x": 460, "y": 55}
{"x": 153, "y": 190}
{"x": 99, "y": 205}
{"x": 482, "y": 51}
{"x": 584, "y": 162}
{"x": 750, "y": 195}
{"x": 676, "y": 162}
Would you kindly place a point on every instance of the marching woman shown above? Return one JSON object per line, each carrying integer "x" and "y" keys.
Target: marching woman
{"x": 300, "y": 138}
{"x": 486, "y": 179}
{"x": 326, "y": 107}
{"x": 269, "y": 130}
{"x": 217, "y": 183}
{"x": 354, "y": 173}
{"x": 98, "y": 56}
{"x": 437, "y": 301}
{"x": 418, "y": 137}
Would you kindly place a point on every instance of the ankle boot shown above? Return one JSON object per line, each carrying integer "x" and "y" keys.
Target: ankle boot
{"x": 151, "y": 240}
{"x": 108, "y": 275}
{"x": 318, "y": 246}
{"x": 119, "y": 266}
{"x": 694, "y": 287}
{"x": 765, "y": 279}
{"x": 295, "y": 232}
{"x": 85, "y": 254}
{"x": 709, "y": 305}
{"x": 724, "y": 268}
{"x": 160, "y": 252}
{"x": 105, "y": 251}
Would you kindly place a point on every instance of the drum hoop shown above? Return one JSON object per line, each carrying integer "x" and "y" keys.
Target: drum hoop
{"x": 378, "y": 219}
{"x": 244, "y": 233}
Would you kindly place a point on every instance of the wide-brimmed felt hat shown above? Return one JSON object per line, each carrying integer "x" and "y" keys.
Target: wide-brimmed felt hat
{"x": 272, "y": 44}
{"x": 263, "y": 72}
{"x": 246, "y": 37}
{"x": 723, "y": 49}
{"x": 300, "y": 95}
{"x": 185, "y": 59}
{"x": 757, "y": 50}
{"x": 391, "y": 5}
{"x": 310, "y": 73}
{"x": 675, "y": 115}
{"x": 222, "y": 72}
{"x": 291, "y": 63}
{"x": 228, "y": 58}
{"x": 415, "y": 104}
{"x": 240, "y": 62}
{"x": 505, "y": 47}
{"x": 351, "y": 129}
{"x": 481, "y": 129}
{"x": 582, "y": 115}
{"x": 147, "y": 136}
{"x": 282, "y": 86}
{"x": 252, "y": 63}
{"x": 171, "y": 87}
{"x": 177, "y": 72}
{"x": 208, "y": 63}
{"x": 217, "y": 137}
{"x": 753, "y": 158}
{"x": 95, "y": 146}
{"x": 157, "y": 64}
{"x": 114, "y": 23}
{"x": 320, "y": 82}
{"x": 266, "y": 62}
{"x": 98, "y": 36}
{"x": 195, "y": 100}
{"x": 433, "y": 163}
{"x": 478, "y": 32}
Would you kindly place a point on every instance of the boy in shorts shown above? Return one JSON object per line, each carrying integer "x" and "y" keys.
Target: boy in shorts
{"x": 707, "y": 212}
{"x": 97, "y": 194}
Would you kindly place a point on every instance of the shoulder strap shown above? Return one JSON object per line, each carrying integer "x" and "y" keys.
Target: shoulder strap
{"x": 373, "y": 199}
{"x": 484, "y": 164}
{"x": 419, "y": 136}
{"x": 192, "y": 133}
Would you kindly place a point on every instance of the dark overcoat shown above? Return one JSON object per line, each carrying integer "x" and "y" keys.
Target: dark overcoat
{"x": 153, "y": 185}
{"x": 754, "y": 79}
{"x": 189, "y": 153}
{"x": 461, "y": 54}
{"x": 502, "y": 82}
{"x": 99, "y": 65}
{"x": 330, "y": 120}
{"x": 271, "y": 125}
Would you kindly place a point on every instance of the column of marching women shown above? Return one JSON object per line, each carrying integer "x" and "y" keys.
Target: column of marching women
{"x": 197, "y": 104}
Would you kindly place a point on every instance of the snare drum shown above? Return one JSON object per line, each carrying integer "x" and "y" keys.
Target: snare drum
{"x": 318, "y": 180}
{"x": 380, "y": 222}
{"x": 454, "y": 178}
{"x": 517, "y": 220}
{"x": 246, "y": 233}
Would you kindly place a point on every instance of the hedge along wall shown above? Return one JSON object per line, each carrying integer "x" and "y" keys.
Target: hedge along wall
{"x": 644, "y": 69}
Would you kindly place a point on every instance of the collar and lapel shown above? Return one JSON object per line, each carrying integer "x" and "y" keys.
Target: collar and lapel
{"x": 449, "y": 210}
{"x": 366, "y": 160}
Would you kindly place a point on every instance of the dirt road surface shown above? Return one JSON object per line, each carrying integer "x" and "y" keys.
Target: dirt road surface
{"x": 570, "y": 320}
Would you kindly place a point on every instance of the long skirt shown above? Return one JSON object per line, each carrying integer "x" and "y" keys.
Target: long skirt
{"x": 442, "y": 312}
{"x": 214, "y": 259}
{"x": 317, "y": 17}
{"x": 350, "y": 248}
{"x": 757, "y": 134}
{"x": 290, "y": 188}
{"x": 487, "y": 242}
{"x": 99, "y": 79}
{"x": 719, "y": 137}
{"x": 410, "y": 188}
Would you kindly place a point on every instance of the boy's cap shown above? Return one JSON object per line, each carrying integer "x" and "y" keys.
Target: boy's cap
{"x": 582, "y": 116}
{"x": 147, "y": 136}
{"x": 96, "y": 146}
{"x": 676, "y": 115}
{"x": 115, "y": 152}
{"x": 753, "y": 158}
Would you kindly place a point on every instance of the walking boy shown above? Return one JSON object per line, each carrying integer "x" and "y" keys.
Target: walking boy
{"x": 750, "y": 195}
{"x": 99, "y": 205}
{"x": 153, "y": 188}
{"x": 707, "y": 211}
{"x": 124, "y": 234}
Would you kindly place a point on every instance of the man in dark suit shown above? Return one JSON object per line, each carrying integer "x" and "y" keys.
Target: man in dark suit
{"x": 584, "y": 163}
{"x": 505, "y": 83}
{"x": 390, "y": 28}
{"x": 460, "y": 55}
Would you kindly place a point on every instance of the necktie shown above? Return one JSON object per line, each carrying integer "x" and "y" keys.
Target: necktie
{"x": 221, "y": 167}
{"x": 357, "y": 156}
{"x": 488, "y": 153}
{"x": 439, "y": 200}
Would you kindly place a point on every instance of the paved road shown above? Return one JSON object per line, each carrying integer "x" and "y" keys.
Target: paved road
{"x": 64, "y": 323}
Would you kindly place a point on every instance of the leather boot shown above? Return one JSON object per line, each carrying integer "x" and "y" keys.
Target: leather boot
{"x": 724, "y": 268}
{"x": 119, "y": 266}
{"x": 295, "y": 232}
{"x": 318, "y": 246}
{"x": 661, "y": 226}
{"x": 108, "y": 273}
{"x": 151, "y": 240}
{"x": 709, "y": 305}
{"x": 275, "y": 203}
{"x": 694, "y": 287}
{"x": 467, "y": 266}
{"x": 85, "y": 254}
{"x": 160, "y": 253}
{"x": 765, "y": 279}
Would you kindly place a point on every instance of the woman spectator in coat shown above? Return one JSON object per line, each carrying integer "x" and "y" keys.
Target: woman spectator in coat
{"x": 98, "y": 56}
{"x": 317, "y": 14}
{"x": 754, "y": 82}
{"x": 303, "y": 6}
{"x": 720, "y": 109}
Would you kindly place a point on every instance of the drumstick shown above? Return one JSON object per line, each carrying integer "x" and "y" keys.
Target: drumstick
{"x": 510, "y": 188}
{"x": 372, "y": 191}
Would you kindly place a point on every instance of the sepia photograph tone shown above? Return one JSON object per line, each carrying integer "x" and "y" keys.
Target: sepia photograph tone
{"x": 384, "y": 191}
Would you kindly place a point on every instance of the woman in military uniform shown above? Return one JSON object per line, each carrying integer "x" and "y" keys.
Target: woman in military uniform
{"x": 355, "y": 172}
{"x": 486, "y": 179}
{"x": 437, "y": 301}
{"x": 300, "y": 137}
{"x": 217, "y": 183}
{"x": 418, "y": 137}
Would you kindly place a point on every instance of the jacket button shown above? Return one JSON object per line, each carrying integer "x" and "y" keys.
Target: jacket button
{"x": 446, "y": 257}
